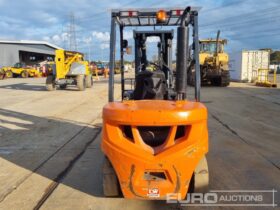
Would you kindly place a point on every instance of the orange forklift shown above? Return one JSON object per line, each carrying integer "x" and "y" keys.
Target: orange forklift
{"x": 155, "y": 139}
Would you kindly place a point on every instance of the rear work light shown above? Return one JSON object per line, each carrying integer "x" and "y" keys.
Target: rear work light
{"x": 177, "y": 12}
{"x": 129, "y": 14}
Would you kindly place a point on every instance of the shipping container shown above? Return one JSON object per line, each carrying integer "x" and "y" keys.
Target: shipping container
{"x": 244, "y": 65}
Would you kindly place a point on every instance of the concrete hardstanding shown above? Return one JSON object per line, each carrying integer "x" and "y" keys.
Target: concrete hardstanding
{"x": 50, "y": 156}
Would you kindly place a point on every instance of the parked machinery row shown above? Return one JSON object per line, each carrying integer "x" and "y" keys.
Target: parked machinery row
{"x": 19, "y": 70}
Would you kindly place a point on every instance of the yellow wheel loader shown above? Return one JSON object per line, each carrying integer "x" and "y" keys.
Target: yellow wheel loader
{"x": 70, "y": 69}
{"x": 213, "y": 63}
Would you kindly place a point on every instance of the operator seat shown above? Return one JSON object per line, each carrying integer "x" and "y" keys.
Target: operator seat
{"x": 150, "y": 85}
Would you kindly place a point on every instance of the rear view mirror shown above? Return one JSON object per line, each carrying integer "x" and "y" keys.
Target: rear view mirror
{"x": 128, "y": 50}
{"x": 124, "y": 44}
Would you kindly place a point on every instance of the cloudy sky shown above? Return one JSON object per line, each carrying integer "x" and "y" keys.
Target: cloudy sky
{"x": 247, "y": 24}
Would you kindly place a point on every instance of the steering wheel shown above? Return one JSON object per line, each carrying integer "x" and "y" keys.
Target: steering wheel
{"x": 154, "y": 64}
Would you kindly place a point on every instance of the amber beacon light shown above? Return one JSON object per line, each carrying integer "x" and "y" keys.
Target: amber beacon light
{"x": 161, "y": 16}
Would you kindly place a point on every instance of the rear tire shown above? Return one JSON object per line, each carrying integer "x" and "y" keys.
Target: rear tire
{"x": 24, "y": 74}
{"x": 111, "y": 187}
{"x": 89, "y": 81}
{"x": 50, "y": 83}
{"x": 81, "y": 82}
{"x": 9, "y": 74}
{"x": 200, "y": 179}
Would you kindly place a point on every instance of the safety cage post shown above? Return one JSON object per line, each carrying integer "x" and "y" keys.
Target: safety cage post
{"x": 196, "y": 56}
{"x": 112, "y": 59}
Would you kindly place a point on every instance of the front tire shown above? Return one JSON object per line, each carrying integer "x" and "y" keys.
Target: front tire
{"x": 50, "y": 83}
{"x": 63, "y": 87}
{"x": 89, "y": 81}
{"x": 200, "y": 179}
{"x": 9, "y": 74}
{"x": 24, "y": 74}
{"x": 81, "y": 82}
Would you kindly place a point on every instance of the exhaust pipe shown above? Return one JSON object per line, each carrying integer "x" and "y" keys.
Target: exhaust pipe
{"x": 182, "y": 53}
{"x": 217, "y": 42}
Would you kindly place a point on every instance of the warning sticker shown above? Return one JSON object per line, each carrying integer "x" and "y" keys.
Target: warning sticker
{"x": 153, "y": 193}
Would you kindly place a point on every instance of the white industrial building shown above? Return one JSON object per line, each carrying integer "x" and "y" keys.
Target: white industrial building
{"x": 28, "y": 52}
{"x": 244, "y": 65}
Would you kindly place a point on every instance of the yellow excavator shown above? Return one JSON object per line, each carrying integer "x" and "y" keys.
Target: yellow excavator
{"x": 213, "y": 63}
{"x": 70, "y": 69}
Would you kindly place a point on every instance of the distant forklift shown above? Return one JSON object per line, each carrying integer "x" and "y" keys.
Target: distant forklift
{"x": 70, "y": 69}
{"x": 213, "y": 63}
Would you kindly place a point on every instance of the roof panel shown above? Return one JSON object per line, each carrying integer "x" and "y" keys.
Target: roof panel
{"x": 30, "y": 42}
{"x": 154, "y": 9}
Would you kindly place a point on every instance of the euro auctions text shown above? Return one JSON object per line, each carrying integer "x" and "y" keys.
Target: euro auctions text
{"x": 264, "y": 198}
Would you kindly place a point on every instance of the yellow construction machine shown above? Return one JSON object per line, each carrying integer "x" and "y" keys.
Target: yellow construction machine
{"x": 70, "y": 69}
{"x": 20, "y": 69}
{"x": 213, "y": 63}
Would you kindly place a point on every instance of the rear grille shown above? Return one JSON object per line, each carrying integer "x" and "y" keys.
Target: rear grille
{"x": 180, "y": 132}
{"x": 154, "y": 176}
{"x": 154, "y": 136}
{"x": 127, "y": 132}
